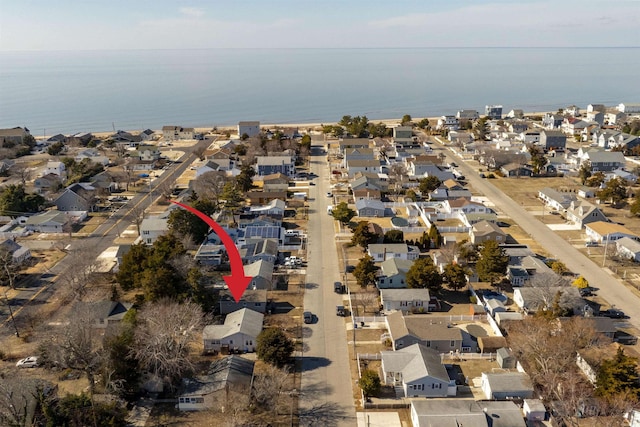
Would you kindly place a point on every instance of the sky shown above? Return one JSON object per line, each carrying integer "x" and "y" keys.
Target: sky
{"x": 194, "y": 24}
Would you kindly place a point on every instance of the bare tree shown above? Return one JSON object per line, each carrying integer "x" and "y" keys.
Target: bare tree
{"x": 199, "y": 151}
{"x": 9, "y": 268}
{"x": 397, "y": 172}
{"x": 210, "y": 185}
{"x": 367, "y": 299}
{"x": 77, "y": 278}
{"x": 165, "y": 332}
{"x": 22, "y": 171}
{"x": 271, "y": 390}
{"x": 76, "y": 345}
{"x": 18, "y": 398}
{"x": 137, "y": 212}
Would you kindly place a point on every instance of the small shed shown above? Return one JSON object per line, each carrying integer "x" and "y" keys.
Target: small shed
{"x": 495, "y": 306}
{"x": 505, "y": 358}
{"x": 491, "y": 344}
{"x": 534, "y": 410}
{"x": 476, "y": 310}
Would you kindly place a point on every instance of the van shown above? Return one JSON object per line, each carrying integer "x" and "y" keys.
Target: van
{"x": 330, "y": 210}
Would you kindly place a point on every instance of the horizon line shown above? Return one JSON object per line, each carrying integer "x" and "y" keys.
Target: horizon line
{"x": 313, "y": 48}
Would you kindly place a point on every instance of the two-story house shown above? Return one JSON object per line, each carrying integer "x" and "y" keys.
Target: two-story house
{"x": 268, "y": 165}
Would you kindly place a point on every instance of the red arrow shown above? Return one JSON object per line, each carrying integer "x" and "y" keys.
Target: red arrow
{"x": 237, "y": 282}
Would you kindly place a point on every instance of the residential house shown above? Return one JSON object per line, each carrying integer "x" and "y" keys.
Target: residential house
{"x": 493, "y": 112}
{"x": 348, "y": 143}
{"x": 14, "y": 135}
{"x": 55, "y": 168}
{"x": 581, "y": 212}
{"x": 532, "y": 299}
{"x": 151, "y": 228}
{"x": 106, "y": 313}
{"x": 614, "y": 117}
{"x": 605, "y": 161}
{"x": 531, "y": 136}
{"x": 76, "y": 197}
{"x": 260, "y": 197}
{"x": 553, "y": 139}
{"x": 249, "y": 128}
{"x": 506, "y": 385}
{"x": 516, "y": 113}
{"x": 465, "y": 412}
{"x": 629, "y": 108}
{"x": 210, "y": 254}
{"x": 517, "y": 126}
{"x": 483, "y": 231}
{"x": 261, "y": 273}
{"x": 552, "y": 121}
{"x": 405, "y": 300}
{"x": 92, "y": 155}
{"x": 448, "y": 122}
{"x": 274, "y": 208}
{"x": 238, "y": 333}
{"x": 147, "y": 135}
{"x": 573, "y": 126}
{"x": 432, "y": 332}
{"x": 628, "y": 248}
{"x": 48, "y": 182}
{"x": 518, "y": 276}
{"x": 104, "y": 183}
{"x": 252, "y": 299}
{"x": 47, "y": 222}
{"x": 275, "y": 182}
{"x": 626, "y": 176}
{"x": 226, "y": 380}
{"x": 127, "y": 138}
{"x": 358, "y": 153}
{"x": 422, "y": 166}
{"x": 403, "y": 135}
{"x": 460, "y": 139}
{"x": 259, "y": 249}
{"x": 254, "y": 232}
{"x": 19, "y": 253}
{"x": 467, "y": 115}
{"x": 393, "y": 272}
{"x": 175, "y": 133}
{"x": 596, "y": 107}
{"x": 366, "y": 194}
{"x": 418, "y": 370}
{"x": 605, "y": 232}
{"x": 268, "y": 165}
{"x": 370, "y": 208}
{"x": 363, "y": 165}
{"x": 556, "y": 200}
{"x": 384, "y": 251}
{"x": 461, "y": 205}
{"x": 586, "y": 192}
{"x": 516, "y": 170}
{"x": 6, "y": 164}
{"x": 596, "y": 117}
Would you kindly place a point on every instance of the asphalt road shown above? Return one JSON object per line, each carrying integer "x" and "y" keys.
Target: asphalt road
{"x": 610, "y": 288}
{"x": 42, "y": 288}
{"x": 326, "y": 390}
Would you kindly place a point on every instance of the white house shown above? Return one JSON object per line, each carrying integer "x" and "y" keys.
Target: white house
{"x": 628, "y": 248}
{"x": 250, "y": 128}
{"x": 418, "y": 370}
{"x": 56, "y": 168}
{"x": 506, "y": 385}
{"x": 151, "y": 228}
{"x": 383, "y": 251}
{"x": 405, "y": 300}
{"x": 239, "y": 332}
{"x": 601, "y": 231}
{"x": 47, "y": 222}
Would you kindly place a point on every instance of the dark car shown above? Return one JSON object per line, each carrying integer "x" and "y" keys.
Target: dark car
{"x": 350, "y": 268}
{"x": 613, "y": 313}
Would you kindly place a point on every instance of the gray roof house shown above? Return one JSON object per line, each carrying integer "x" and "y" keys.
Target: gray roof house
{"x": 555, "y": 199}
{"x": 47, "y": 222}
{"x": 76, "y": 197}
{"x": 483, "y": 231}
{"x": 268, "y": 165}
{"x": 261, "y": 273}
{"x": 532, "y": 299}
{"x": 251, "y": 128}
{"x": 255, "y": 300}
{"x": 239, "y": 332}
{"x": 363, "y": 165}
{"x": 384, "y": 251}
{"x": 105, "y": 313}
{"x": 393, "y": 272}
{"x": 19, "y": 254}
{"x": 418, "y": 370}
{"x": 628, "y": 248}
{"x": 553, "y": 139}
{"x": 226, "y": 380}
{"x": 432, "y": 332}
{"x": 370, "y": 208}
{"x": 506, "y": 385}
{"x": 259, "y": 249}
{"x": 465, "y": 412}
{"x": 605, "y": 161}
{"x": 153, "y": 227}
{"x": 582, "y": 212}
{"x": 405, "y": 300}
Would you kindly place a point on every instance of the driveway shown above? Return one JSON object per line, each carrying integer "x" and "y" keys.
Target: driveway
{"x": 326, "y": 395}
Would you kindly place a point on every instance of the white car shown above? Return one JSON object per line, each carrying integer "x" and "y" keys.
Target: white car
{"x": 329, "y": 194}
{"x": 28, "y": 362}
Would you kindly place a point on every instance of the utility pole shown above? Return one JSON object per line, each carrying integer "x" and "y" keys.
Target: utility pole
{"x": 606, "y": 244}
{"x": 13, "y": 319}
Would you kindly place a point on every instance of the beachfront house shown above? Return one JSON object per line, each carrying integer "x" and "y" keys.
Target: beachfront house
{"x": 493, "y": 112}
{"x": 175, "y": 133}
{"x": 248, "y": 128}
{"x": 13, "y": 135}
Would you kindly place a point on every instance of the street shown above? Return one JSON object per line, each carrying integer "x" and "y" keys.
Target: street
{"x": 611, "y": 289}
{"x": 327, "y": 394}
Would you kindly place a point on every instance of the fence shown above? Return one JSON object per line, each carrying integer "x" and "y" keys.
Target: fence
{"x": 453, "y": 229}
{"x": 467, "y": 356}
{"x": 406, "y": 229}
{"x": 369, "y": 319}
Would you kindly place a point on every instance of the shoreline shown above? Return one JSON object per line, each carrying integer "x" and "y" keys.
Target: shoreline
{"x": 301, "y": 125}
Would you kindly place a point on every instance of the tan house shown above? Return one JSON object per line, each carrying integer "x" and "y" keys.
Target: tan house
{"x": 484, "y": 231}
{"x": 275, "y": 182}
{"x": 432, "y": 332}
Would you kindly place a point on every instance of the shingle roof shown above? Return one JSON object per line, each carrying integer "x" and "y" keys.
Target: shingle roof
{"x": 415, "y": 362}
{"x": 244, "y": 321}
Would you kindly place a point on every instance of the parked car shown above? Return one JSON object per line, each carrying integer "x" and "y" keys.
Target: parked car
{"x": 28, "y": 362}
{"x": 307, "y": 316}
{"x": 613, "y": 313}
{"x": 338, "y": 287}
{"x": 329, "y": 194}
{"x": 590, "y": 244}
{"x": 340, "y": 311}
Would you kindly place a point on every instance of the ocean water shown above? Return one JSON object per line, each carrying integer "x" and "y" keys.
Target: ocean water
{"x": 69, "y": 92}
